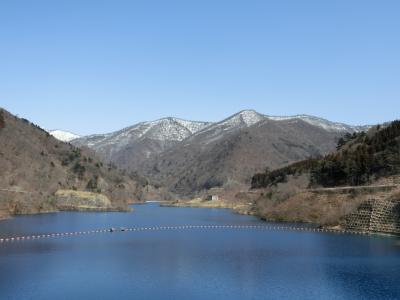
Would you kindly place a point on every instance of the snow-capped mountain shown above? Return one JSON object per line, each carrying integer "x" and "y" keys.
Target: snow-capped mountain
{"x": 64, "y": 136}
{"x": 133, "y": 144}
{"x": 248, "y": 118}
{"x": 166, "y": 130}
{"x": 234, "y": 149}
{"x": 176, "y": 130}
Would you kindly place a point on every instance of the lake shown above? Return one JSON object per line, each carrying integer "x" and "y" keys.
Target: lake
{"x": 191, "y": 264}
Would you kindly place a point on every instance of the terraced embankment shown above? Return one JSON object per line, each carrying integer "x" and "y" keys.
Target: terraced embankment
{"x": 376, "y": 215}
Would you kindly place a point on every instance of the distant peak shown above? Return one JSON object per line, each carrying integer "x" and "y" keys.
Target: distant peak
{"x": 249, "y": 112}
{"x": 247, "y": 116}
{"x": 63, "y": 135}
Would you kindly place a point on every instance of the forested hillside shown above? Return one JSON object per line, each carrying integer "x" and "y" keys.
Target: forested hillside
{"x": 360, "y": 158}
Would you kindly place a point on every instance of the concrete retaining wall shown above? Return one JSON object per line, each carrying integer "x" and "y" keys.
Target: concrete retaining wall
{"x": 376, "y": 215}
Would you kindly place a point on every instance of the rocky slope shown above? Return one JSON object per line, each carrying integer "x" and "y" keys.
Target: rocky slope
{"x": 82, "y": 200}
{"x": 34, "y": 166}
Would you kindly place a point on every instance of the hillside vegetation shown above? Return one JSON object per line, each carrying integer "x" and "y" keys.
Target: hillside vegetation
{"x": 34, "y": 166}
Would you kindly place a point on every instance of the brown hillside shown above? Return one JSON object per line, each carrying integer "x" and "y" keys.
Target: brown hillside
{"x": 34, "y": 165}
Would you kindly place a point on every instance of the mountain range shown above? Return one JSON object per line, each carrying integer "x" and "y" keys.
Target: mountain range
{"x": 190, "y": 156}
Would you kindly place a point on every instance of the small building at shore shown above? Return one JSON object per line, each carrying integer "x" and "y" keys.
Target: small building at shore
{"x": 212, "y": 198}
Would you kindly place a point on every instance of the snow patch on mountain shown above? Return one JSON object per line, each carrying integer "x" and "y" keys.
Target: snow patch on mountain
{"x": 64, "y": 136}
{"x": 325, "y": 124}
{"x": 244, "y": 118}
{"x": 166, "y": 129}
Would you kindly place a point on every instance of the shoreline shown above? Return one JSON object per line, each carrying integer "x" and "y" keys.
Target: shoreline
{"x": 238, "y": 208}
{"x": 244, "y": 209}
{"x": 72, "y": 209}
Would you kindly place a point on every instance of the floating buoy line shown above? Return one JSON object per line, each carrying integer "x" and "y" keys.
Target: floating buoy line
{"x": 179, "y": 227}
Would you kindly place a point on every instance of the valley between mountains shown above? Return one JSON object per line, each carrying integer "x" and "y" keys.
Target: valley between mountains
{"x": 283, "y": 168}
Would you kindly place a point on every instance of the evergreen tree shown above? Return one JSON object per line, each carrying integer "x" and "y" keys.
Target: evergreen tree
{"x": 2, "y": 121}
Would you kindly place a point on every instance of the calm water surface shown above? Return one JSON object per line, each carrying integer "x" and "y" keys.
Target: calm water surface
{"x": 191, "y": 264}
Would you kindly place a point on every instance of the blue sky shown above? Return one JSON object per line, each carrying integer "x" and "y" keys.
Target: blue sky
{"x": 98, "y": 66}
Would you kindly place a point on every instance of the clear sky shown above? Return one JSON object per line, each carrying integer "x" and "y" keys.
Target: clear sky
{"x": 98, "y": 66}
